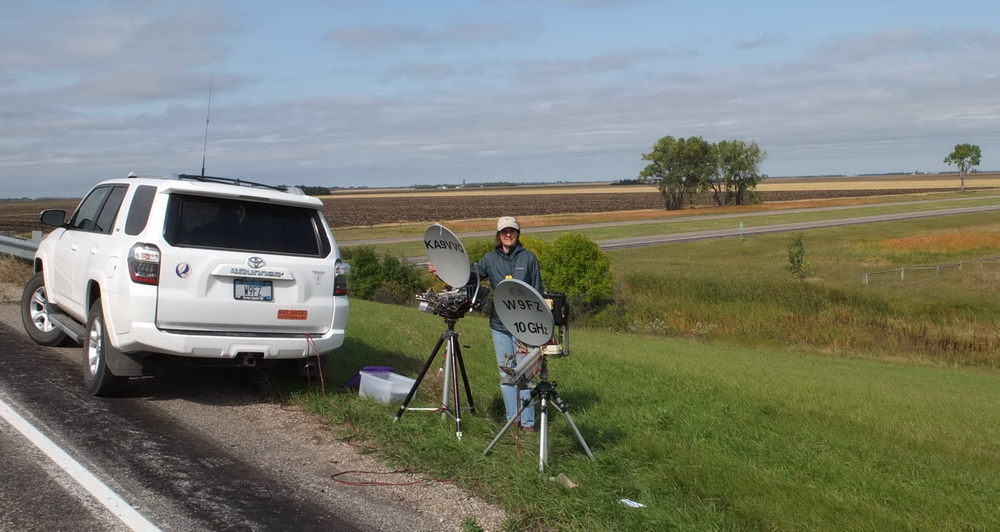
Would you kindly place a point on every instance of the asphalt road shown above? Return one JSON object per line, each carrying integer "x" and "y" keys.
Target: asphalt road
{"x": 784, "y": 228}
{"x": 170, "y": 474}
{"x": 191, "y": 449}
{"x": 736, "y": 230}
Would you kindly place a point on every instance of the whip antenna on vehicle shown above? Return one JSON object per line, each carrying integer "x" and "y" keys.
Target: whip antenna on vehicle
{"x": 208, "y": 114}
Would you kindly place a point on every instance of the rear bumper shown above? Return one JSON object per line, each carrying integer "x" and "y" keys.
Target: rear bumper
{"x": 147, "y": 338}
{"x": 140, "y": 335}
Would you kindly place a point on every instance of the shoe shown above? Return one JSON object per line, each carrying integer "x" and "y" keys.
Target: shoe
{"x": 527, "y": 430}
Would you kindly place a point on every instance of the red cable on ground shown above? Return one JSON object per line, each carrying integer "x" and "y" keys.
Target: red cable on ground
{"x": 312, "y": 349}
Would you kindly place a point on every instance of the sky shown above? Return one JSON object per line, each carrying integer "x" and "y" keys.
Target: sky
{"x": 353, "y": 93}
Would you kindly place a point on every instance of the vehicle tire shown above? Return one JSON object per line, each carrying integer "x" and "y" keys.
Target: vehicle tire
{"x": 35, "y": 313}
{"x": 97, "y": 376}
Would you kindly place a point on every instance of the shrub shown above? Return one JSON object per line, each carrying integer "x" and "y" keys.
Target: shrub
{"x": 797, "y": 264}
{"x": 575, "y": 265}
{"x": 386, "y": 279}
{"x": 478, "y": 249}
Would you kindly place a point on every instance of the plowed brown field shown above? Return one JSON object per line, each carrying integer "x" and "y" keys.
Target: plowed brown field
{"x": 374, "y": 210}
{"x": 374, "y": 207}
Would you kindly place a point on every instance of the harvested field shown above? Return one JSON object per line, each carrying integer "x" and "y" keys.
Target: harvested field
{"x": 378, "y": 210}
{"x": 378, "y": 207}
{"x": 21, "y": 216}
{"x": 361, "y": 208}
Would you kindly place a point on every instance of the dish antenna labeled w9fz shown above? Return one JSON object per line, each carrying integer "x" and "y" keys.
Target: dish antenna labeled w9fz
{"x": 541, "y": 322}
{"x": 208, "y": 113}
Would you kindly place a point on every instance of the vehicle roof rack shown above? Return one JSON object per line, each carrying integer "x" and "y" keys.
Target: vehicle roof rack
{"x": 230, "y": 181}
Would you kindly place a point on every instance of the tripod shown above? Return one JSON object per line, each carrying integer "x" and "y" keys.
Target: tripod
{"x": 453, "y": 365}
{"x": 543, "y": 392}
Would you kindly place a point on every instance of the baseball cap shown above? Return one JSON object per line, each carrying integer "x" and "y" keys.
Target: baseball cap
{"x": 507, "y": 221}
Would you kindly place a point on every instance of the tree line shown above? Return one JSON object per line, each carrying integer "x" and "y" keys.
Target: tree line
{"x": 683, "y": 168}
{"x": 730, "y": 169}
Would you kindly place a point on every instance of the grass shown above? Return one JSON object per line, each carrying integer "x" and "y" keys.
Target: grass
{"x": 731, "y": 395}
{"x": 14, "y": 270}
{"x": 739, "y": 290}
{"x": 665, "y": 222}
{"x": 705, "y": 434}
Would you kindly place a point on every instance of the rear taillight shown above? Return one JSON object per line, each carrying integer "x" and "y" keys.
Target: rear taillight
{"x": 341, "y": 270}
{"x": 144, "y": 264}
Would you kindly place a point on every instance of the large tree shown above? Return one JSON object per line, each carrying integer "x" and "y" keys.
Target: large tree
{"x": 682, "y": 167}
{"x": 738, "y": 171}
{"x": 965, "y": 157}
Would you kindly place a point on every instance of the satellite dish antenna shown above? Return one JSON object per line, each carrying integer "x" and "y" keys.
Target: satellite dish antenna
{"x": 526, "y": 314}
{"x": 523, "y": 311}
{"x": 448, "y": 255}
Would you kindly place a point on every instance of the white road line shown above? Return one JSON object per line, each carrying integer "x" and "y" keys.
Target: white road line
{"x": 118, "y": 506}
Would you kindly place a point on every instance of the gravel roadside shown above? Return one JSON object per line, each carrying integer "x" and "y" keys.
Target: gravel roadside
{"x": 306, "y": 452}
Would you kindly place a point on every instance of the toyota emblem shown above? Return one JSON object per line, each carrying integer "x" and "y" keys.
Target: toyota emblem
{"x": 255, "y": 262}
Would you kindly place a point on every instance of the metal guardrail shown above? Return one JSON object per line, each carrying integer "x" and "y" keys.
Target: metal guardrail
{"x": 20, "y": 247}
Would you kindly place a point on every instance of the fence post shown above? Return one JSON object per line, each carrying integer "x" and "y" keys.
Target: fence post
{"x": 902, "y": 274}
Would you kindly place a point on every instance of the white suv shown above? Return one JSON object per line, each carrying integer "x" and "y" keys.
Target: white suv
{"x": 209, "y": 269}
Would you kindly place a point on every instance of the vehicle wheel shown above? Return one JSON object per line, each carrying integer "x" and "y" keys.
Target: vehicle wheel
{"x": 97, "y": 377}
{"x": 35, "y": 313}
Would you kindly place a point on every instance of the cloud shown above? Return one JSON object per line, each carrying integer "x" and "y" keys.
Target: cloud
{"x": 614, "y": 61}
{"x": 375, "y": 39}
{"x": 762, "y": 41}
{"x": 465, "y": 99}
{"x": 109, "y": 57}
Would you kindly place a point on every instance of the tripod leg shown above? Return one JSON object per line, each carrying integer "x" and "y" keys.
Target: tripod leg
{"x": 543, "y": 440}
{"x": 446, "y": 381}
{"x": 456, "y": 394}
{"x": 564, "y": 408}
{"x": 511, "y": 421}
{"x": 420, "y": 377}
{"x": 457, "y": 353}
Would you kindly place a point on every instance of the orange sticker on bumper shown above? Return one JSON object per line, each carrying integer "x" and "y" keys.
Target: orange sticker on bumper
{"x": 287, "y": 314}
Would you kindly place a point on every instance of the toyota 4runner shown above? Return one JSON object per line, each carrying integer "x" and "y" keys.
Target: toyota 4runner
{"x": 209, "y": 269}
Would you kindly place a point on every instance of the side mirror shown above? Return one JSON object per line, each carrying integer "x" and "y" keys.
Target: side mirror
{"x": 53, "y": 217}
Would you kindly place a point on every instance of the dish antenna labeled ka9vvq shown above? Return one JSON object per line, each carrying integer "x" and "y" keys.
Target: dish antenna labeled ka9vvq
{"x": 446, "y": 252}
{"x": 463, "y": 293}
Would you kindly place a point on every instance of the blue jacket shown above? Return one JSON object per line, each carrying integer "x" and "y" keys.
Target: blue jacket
{"x": 519, "y": 264}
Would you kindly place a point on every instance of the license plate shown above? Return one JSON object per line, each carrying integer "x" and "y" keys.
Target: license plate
{"x": 252, "y": 290}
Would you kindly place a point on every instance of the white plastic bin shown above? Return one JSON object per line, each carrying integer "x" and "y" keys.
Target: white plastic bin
{"x": 384, "y": 386}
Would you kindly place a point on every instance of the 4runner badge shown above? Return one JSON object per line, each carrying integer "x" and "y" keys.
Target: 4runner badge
{"x": 255, "y": 262}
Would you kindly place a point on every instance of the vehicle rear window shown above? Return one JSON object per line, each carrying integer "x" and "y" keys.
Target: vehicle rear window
{"x": 243, "y": 225}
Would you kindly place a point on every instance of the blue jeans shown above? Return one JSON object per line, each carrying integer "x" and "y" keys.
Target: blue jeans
{"x": 505, "y": 344}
